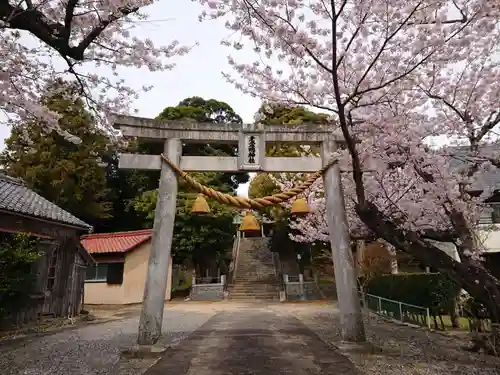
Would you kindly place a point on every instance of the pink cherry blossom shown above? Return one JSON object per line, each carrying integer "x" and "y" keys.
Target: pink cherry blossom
{"x": 86, "y": 37}
{"x": 387, "y": 71}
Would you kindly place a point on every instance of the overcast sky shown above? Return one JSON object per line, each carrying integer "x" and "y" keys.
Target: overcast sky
{"x": 198, "y": 73}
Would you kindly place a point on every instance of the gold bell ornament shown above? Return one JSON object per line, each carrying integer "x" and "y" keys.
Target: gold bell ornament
{"x": 300, "y": 207}
{"x": 249, "y": 224}
{"x": 200, "y": 206}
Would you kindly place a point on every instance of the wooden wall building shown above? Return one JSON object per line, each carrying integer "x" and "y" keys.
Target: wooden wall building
{"x": 60, "y": 271}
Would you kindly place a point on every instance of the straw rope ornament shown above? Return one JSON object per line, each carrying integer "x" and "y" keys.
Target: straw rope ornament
{"x": 249, "y": 203}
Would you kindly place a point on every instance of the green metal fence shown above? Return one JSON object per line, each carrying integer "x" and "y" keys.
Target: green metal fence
{"x": 396, "y": 310}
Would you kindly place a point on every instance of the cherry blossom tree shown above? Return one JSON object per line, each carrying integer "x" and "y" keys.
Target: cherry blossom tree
{"x": 387, "y": 70}
{"x": 89, "y": 40}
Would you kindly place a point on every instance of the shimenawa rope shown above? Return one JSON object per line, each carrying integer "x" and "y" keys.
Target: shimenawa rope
{"x": 243, "y": 202}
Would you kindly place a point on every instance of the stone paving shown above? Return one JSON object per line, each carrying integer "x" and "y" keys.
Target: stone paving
{"x": 253, "y": 341}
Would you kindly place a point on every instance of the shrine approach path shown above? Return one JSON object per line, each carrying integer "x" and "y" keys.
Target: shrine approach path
{"x": 253, "y": 340}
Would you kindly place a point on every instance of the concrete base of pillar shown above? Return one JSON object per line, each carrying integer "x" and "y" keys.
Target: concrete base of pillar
{"x": 144, "y": 351}
{"x": 357, "y": 347}
{"x": 282, "y": 296}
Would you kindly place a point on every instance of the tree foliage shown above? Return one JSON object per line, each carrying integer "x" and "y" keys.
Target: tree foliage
{"x": 208, "y": 111}
{"x": 83, "y": 178}
{"x": 271, "y": 114}
{"x": 38, "y": 36}
{"x": 201, "y": 110}
{"x": 17, "y": 256}
{"x": 204, "y": 241}
{"x": 123, "y": 187}
{"x": 64, "y": 173}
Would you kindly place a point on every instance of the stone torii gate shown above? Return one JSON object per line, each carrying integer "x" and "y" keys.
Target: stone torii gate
{"x": 251, "y": 140}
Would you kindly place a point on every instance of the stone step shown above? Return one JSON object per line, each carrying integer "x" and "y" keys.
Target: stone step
{"x": 254, "y": 294}
{"x": 248, "y": 296}
{"x": 256, "y": 289}
{"x": 271, "y": 288}
{"x": 253, "y": 276}
{"x": 254, "y": 284}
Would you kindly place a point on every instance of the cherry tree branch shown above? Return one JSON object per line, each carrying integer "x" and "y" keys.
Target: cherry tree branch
{"x": 379, "y": 54}
{"x": 351, "y": 40}
{"x": 357, "y": 172}
{"x": 55, "y": 34}
{"x": 68, "y": 18}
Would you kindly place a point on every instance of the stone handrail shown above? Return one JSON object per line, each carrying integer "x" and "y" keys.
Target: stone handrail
{"x": 234, "y": 261}
{"x": 279, "y": 271}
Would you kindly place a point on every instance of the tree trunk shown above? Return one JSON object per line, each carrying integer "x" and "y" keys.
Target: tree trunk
{"x": 455, "y": 323}
{"x": 469, "y": 274}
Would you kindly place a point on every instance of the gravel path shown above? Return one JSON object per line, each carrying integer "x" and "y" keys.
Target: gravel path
{"x": 95, "y": 349}
{"x": 405, "y": 350}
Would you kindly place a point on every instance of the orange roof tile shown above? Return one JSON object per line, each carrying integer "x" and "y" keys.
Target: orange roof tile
{"x": 119, "y": 242}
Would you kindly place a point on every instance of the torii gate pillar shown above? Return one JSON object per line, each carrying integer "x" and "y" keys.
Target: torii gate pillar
{"x": 158, "y": 267}
{"x": 351, "y": 319}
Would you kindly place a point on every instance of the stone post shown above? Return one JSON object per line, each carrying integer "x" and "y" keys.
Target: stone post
{"x": 394, "y": 258}
{"x": 301, "y": 287}
{"x": 360, "y": 253}
{"x": 150, "y": 322}
{"x": 351, "y": 319}
{"x": 168, "y": 293}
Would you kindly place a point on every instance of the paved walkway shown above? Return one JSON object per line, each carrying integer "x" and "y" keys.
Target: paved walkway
{"x": 252, "y": 341}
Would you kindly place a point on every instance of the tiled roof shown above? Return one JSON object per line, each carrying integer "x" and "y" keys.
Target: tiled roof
{"x": 17, "y": 198}
{"x": 119, "y": 242}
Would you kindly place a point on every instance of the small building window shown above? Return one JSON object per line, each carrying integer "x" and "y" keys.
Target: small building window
{"x": 98, "y": 272}
{"x": 111, "y": 273}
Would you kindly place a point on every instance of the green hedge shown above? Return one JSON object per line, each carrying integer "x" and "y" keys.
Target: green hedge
{"x": 431, "y": 290}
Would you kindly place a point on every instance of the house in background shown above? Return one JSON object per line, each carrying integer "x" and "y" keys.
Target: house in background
{"x": 488, "y": 232}
{"x": 60, "y": 271}
{"x": 120, "y": 272}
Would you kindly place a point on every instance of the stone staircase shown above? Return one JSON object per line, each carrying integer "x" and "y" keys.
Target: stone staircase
{"x": 255, "y": 277}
